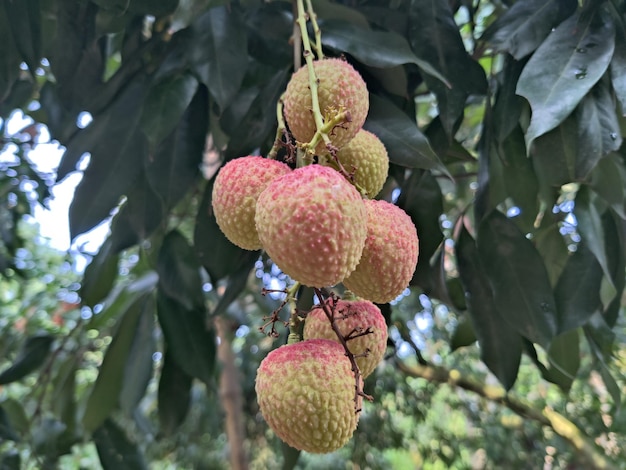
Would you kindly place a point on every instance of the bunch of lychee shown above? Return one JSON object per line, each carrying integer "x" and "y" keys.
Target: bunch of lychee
{"x": 321, "y": 225}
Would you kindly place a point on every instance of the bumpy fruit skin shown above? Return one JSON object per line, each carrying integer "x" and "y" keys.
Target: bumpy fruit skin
{"x": 366, "y": 157}
{"x": 306, "y": 394}
{"x": 390, "y": 254}
{"x": 352, "y": 316}
{"x": 312, "y": 223}
{"x": 340, "y": 88}
{"x": 235, "y": 192}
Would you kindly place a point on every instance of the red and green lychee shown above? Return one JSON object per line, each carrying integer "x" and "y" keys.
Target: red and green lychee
{"x": 389, "y": 256}
{"x": 235, "y": 193}
{"x": 353, "y": 318}
{"x": 306, "y": 395}
{"x": 340, "y": 88}
{"x": 365, "y": 158}
{"x": 312, "y": 223}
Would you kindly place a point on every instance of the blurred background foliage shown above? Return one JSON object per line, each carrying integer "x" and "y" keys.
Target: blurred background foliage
{"x": 503, "y": 121}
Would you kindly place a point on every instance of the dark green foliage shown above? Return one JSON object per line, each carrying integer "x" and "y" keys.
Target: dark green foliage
{"x": 512, "y": 111}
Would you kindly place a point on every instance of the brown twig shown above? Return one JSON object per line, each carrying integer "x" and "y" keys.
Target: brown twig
{"x": 329, "y": 309}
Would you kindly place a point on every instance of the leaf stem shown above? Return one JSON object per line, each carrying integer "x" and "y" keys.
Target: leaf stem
{"x": 316, "y": 30}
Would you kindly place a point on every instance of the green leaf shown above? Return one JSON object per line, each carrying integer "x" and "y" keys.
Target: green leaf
{"x": 34, "y": 353}
{"x": 10, "y": 460}
{"x": 64, "y": 393}
{"x": 552, "y": 248}
{"x": 406, "y": 145}
{"x": 577, "y": 293}
{"x": 150, "y": 7}
{"x": 105, "y": 393}
{"x": 435, "y": 38}
{"x": 25, "y": 23}
{"x": 174, "y": 395}
{"x": 236, "y": 284}
{"x": 257, "y": 124}
{"x": 618, "y": 69}
{"x": 190, "y": 342}
{"x": 563, "y": 70}
{"x": 520, "y": 180}
{"x": 139, "y": 364}
{"x": 219, "y": 53}
{"x": 500, "y": 344}
{"x": 598, "y": 129}
{"x": 564, "y": 357}
{"x": 179, "y": 272}
{"x": 600, "y": 339}
{"x": 9, "y": 59}
{"x": 99, "y": 276}
{"x": 525, "y": 25}
{"x": 608, "y": 180}
{"x": 554, "y": 155}
{"x": 615, "y": 243}
{"x": 47, "y": 438}
{"x": 6, "y": 430}
{"x": 421, "y": 198}
{"x": 590, "y": 227}
{"x": 217, "y": 254}
{"x": 138, "y": 217}
{"x": 290, "y": 456}
{"x": 174, "y": 166}
{"x": 519, "y": 279}
{"x": 381, "y": 49}
{"x": 115, "y": 450}
{"x": 120, "y": 300}
{"x": 76, "y": 60}
{"x": 165, "y": 104}
{"x": 508, "y": 106}
{"x": 464, "y": 334}
{"x": 117, "y": 148}
{"x": 14, "y": 411}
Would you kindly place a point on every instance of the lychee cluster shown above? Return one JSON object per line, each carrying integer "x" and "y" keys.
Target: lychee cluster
{"x": 321, "y": 226}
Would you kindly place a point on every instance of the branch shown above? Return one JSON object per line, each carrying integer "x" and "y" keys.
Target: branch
{"x": 548, "y": 417}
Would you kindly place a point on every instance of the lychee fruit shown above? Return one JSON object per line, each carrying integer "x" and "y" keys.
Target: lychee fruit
{"x": 235, "y": 192}
{"x": 306, "y": 394}
{"x": 312, "y": 223}
{"x": 340, "y": 88}
{"x": 354, "y": 318}
{"x": 365, "y": 158}
{"x": 389, "y": 256}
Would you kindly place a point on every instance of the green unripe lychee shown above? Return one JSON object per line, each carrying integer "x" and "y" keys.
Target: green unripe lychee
{"x": 306, "y": 394}
{"x": 340, "y": 88}
{"x": 352, "y": 317}
{"x": 365, "y": 157}
{"x": 312, "y": 223}
{"x": 390, "y": 254}
{"x": 235, "y": 192}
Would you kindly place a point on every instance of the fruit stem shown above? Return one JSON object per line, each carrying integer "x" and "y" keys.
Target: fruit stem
{"x": 313, "y": 82}
{"x": 316, "y": 30}
{"x": 294, "y": 319}
{"x": 330, "y": 314}
{"x": 280, "y": 130}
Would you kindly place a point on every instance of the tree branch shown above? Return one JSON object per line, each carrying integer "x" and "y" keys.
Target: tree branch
{"x": 548, "y": 417}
